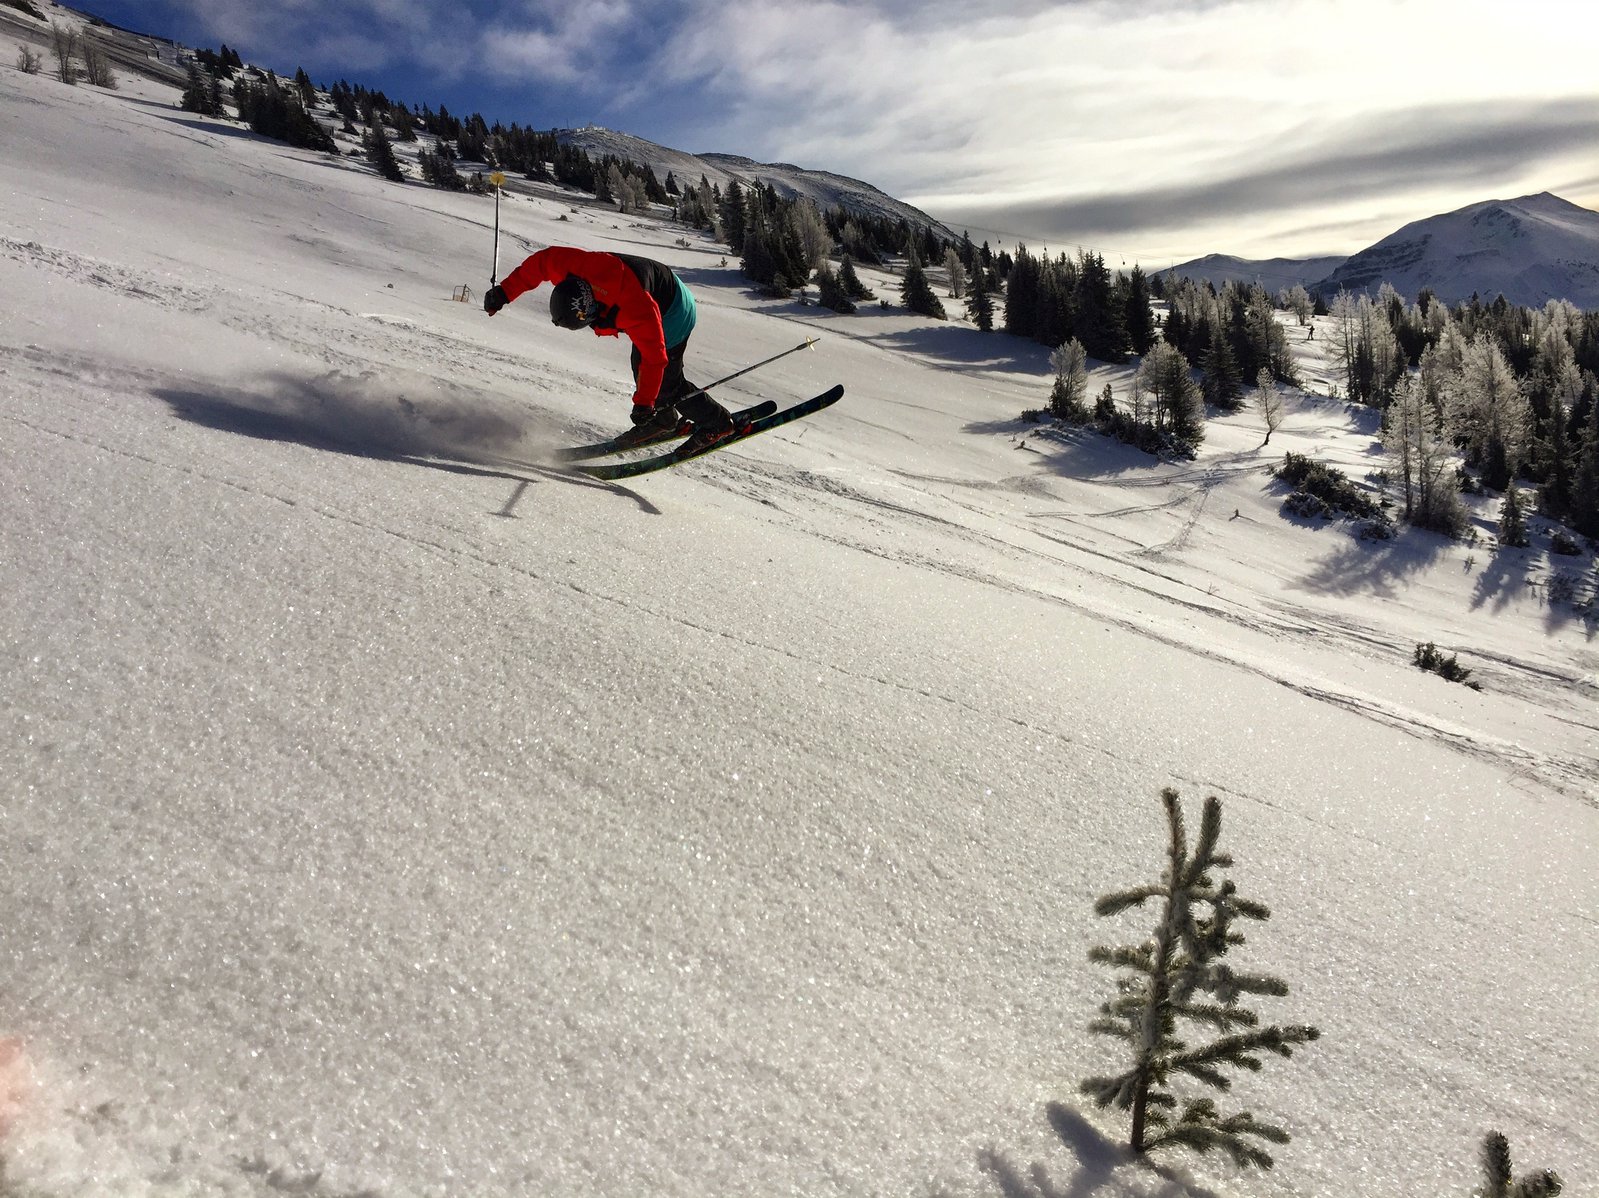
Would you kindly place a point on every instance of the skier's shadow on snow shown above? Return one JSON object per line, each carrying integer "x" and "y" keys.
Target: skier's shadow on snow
{"x": 1103, "y": 1167}
{"x": 450, "y": 434}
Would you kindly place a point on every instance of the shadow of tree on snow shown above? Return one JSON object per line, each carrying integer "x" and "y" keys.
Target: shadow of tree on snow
{"x": 1102, "y": 1166}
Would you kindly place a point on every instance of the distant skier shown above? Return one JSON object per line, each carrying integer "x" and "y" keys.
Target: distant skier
{"x": 617, "y": 294}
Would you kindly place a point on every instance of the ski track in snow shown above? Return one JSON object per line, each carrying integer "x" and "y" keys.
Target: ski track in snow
{"x": 1572, "y": 776}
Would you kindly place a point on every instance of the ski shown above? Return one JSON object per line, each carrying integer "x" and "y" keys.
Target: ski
{"x": 615, "y": 470}
{"x": 628, "y": 440}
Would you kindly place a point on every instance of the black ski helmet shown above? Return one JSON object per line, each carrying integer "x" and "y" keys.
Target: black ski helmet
{"x": 572, "y": 303}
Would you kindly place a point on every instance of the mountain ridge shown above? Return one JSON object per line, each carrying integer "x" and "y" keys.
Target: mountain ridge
{"x": 1275, "y": 273}
{"x": 827, "y": 189}
{"x": 1530, "y": 249}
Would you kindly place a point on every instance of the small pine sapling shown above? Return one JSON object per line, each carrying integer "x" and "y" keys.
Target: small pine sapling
{"x": 1497, "y": 1179}
{"x": 1180, "y": 977}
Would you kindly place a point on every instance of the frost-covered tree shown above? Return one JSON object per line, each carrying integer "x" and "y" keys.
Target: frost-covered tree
{"x": 1269, "y": 402}
{"x": 1178, "y": 408}
{"x": 1490, "y": 411}
{"x": 1297, "y": 300}
{"x": 1413, "y": 433}
{"x": 626, "y": 190}
{"x": 697, "y": 206}
{"x": 810, "y": 229}
{"x": 1268, "y": 344}
{"x": 1179, "y": 978}
{"x": 1555, "y": 385}
{"x": 956, "y": 270}
{"x": 1366, "y": 349}
{"x": 1498, "y": 1180}
{"x": 1068, "y": 399}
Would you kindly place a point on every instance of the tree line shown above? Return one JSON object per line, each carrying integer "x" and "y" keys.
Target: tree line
{"x": 1513, "y": 390}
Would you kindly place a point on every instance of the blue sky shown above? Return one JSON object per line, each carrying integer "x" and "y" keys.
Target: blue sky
{"x": 1152, "y": 132}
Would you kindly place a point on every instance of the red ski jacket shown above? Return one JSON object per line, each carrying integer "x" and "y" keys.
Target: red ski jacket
{"x": 615, "y": 285}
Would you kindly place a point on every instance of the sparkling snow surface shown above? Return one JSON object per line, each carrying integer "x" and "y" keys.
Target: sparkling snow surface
{"x": 386, "y": 812}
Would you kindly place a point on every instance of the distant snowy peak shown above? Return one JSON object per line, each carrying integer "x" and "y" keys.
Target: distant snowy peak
{"x": 1530, "y": 250}
{"x": 1274, "y": 274}
{"x": 826, "y": 189}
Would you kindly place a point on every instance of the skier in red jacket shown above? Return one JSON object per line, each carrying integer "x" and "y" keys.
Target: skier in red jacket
{"x": 616, "y": 294}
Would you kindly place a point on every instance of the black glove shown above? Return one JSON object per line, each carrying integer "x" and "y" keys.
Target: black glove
{"x": 642, "y": 414}
{"x": 494, "y": 299}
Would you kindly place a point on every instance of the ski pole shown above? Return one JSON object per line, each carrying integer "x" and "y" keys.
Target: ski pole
{"x": 806, "y": 344}
{"x": 496, "y": 178}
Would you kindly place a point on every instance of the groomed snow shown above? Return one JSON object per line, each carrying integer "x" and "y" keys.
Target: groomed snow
{"x": 386, "y": 812}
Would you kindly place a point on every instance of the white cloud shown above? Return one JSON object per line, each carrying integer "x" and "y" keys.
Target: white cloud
{"x": 1169, "y": 109}
{"x": 558, "y": 42}
{"x": 1072, "y": 102}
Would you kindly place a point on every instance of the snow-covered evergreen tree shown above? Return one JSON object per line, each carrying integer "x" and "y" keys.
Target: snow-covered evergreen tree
{"x": 1178, "y": 977}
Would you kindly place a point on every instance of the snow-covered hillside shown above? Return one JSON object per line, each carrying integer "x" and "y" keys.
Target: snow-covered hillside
{"x": 1275, "y": 274}
{"x": 387, "y": 811}
{"x": 824, "y": 188}
{"x": 1530, "y": 250}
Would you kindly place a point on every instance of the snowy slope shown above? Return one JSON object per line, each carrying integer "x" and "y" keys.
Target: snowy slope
{"x": 387, "y": 812}
{"x": 152, "y": 57}
{"x": 1530, "y": 250}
